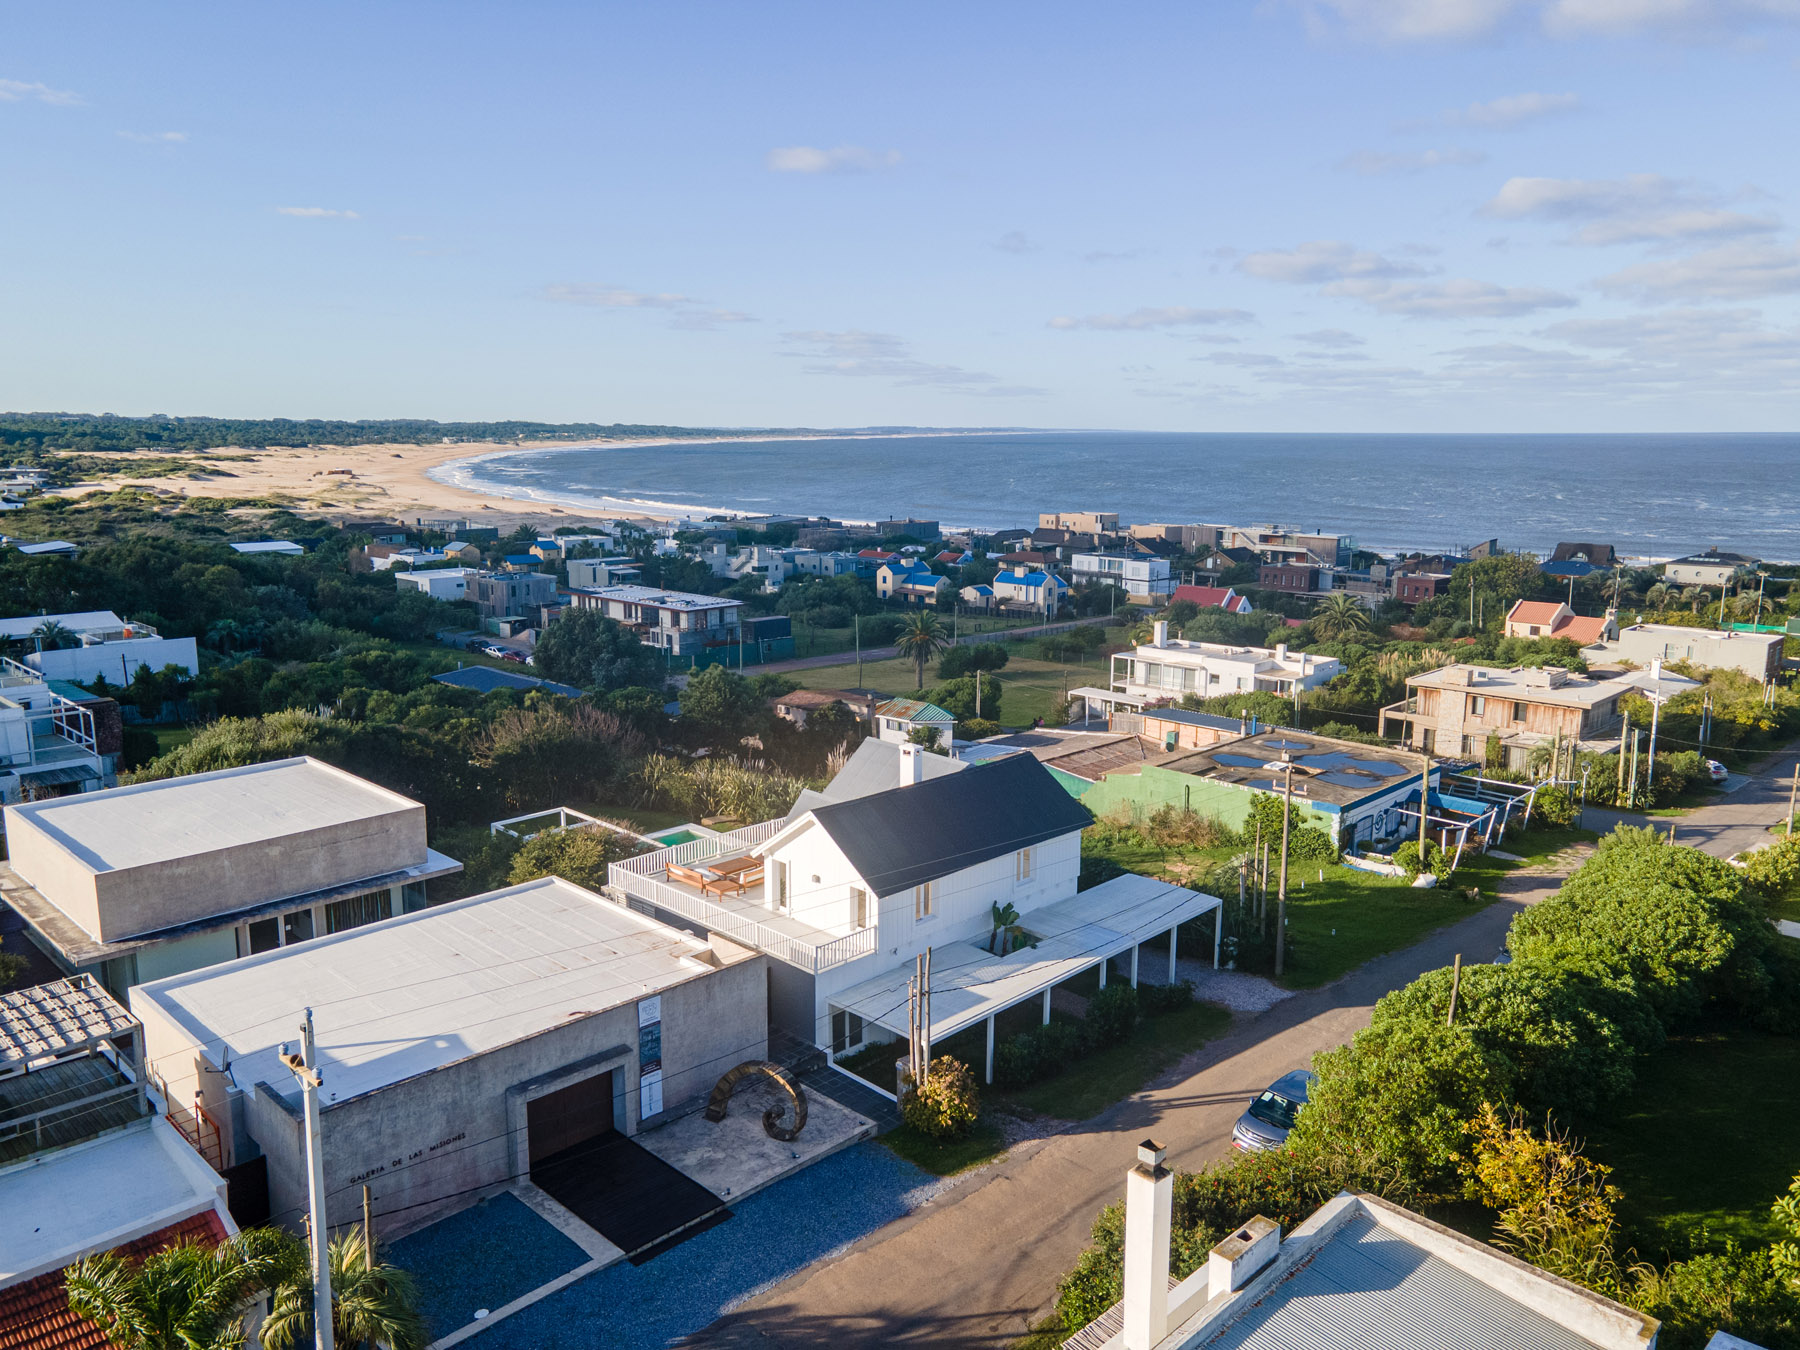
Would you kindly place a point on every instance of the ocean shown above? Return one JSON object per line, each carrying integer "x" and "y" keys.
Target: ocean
{"x": 1654, "y": 496}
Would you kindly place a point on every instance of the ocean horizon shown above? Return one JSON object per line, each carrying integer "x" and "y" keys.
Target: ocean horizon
{"x": 1648, "y": 495}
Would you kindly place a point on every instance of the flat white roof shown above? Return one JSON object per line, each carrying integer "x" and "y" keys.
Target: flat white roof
{"x": 968, "y": 982}
{"x": 414, "y": 993}
{"x": 269, "y": 546}
{"x": 1577, "y": 691}
{"x": 172, "y": 818}
{"x": 86, "y": 620}
{"x": 99, "y": 1195}
{"x": 658, "y": 599}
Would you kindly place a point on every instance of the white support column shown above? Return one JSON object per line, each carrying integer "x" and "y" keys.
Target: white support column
{"x": 1218, "y": 933}
{"x": 1047, "y": 1007}
{"x": 1172, "y": 955}
{"x": 990, "y": 1048}
{"x": 1134, "y": 963}
{"x": 1103, "y": 962}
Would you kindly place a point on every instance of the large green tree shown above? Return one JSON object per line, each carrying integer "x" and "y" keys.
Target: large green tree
{"x": 922, "y": 638}
{"x": 185, "y": 1297}
{"x": 588, "y": 649}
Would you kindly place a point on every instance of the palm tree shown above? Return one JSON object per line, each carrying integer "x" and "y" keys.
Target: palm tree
{"x": 372, "y": 1303}
{"x": 1657, "y": 597}
{"x": 225, "y": 634}
{"x": 185, "y": 1297}
{"x": 1006, "y": 930}
{"x": 1340, "y": 616}
{"x": 51, "y": 636}
{"x": 921, "y": 639}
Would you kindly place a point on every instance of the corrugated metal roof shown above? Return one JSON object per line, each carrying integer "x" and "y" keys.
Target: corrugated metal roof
{"x": 1369, "y": 1287}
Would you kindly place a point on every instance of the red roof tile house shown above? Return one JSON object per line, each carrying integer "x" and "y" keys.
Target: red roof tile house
{"x": 1213, "y": 597}
{"x": 1552, "y": 618}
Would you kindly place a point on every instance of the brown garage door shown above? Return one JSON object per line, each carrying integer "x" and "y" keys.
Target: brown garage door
{"x": 569, "y": 1116}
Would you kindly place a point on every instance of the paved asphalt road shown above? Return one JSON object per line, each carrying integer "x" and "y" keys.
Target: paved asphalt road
{"x": 1735, "y": 823}
{"x": 978, "y": 1265}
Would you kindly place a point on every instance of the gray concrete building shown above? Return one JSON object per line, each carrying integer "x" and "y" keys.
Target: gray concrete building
{"x": 139, "y": 882}
{"x": 461, "y": 1047}
{"x": 1757, "y": 655}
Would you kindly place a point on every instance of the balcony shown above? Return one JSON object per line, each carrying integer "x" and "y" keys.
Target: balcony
{"x": 743, "y": 917}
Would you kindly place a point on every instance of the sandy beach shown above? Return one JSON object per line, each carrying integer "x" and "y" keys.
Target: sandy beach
{"x": 387, "y": 482}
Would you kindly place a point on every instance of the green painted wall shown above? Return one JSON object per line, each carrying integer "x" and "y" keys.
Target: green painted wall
{"x": 1139, "y": 795}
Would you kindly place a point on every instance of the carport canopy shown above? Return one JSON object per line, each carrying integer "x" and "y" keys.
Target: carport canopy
{"x": 969, "y": 984}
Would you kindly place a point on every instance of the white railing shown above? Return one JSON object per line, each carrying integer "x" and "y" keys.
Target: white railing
{"x": 642, "y": 878}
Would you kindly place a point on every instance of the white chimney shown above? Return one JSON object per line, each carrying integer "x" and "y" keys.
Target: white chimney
{"x": 1149, "y": 1195}
{"x": 912, "y": 765}
{"x": 1160, "y": 634}
{"x": 1281, "y": 651}
{"x": 1231, "y": 1264}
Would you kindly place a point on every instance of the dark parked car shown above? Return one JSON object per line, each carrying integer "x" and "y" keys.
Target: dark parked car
{"x": 1266, "y": 1124}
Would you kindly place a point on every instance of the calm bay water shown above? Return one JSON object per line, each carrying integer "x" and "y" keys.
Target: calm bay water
{"x": 1655, "y": 496}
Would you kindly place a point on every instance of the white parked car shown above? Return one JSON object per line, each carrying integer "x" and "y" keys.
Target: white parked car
{"x": 1716, "y": 772}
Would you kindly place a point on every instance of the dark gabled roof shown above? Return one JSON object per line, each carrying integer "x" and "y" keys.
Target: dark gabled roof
{"x": 899, "y": 839}
{"x": 1601, "y": 555}
{"x": 486, "y": 679}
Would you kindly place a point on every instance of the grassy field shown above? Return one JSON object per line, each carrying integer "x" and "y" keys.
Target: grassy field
{"x": 1709, "y": 1139}
{"x": 810, "y": 641}
{"x": 1029, "y": 688}
{"x": 171, "y": 738}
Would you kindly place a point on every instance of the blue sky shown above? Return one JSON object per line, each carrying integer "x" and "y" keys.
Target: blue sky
{"x": 1404, "y": 215}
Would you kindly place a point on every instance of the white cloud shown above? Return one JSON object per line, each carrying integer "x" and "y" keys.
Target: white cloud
{"x": 1744, "y": 270}
{"x": 1510, "y": 110}
{"x": 1324, "y": 260}
{"x": 1378, "y": 163}
{"x": 1248, "y": 360}
{"x": 316, "y": 213}
{"x": 841, "y": 159}
{"x": 1642, "y": 208}
{"x": 860, "y": 354}
{"x": 1016, "y": 241}
{"x": 154, "y": 137}
{"x": 1458, "y": 20}
{"x": 611, "y": 297}
{"x": 1458, "y": 298}
{"x": 20, "y": 91}
{"x": 1336, "y": 338}
{"x": 710, "y": 318}
{"x": 1102, "y": 256}
{"x": 1139, "y": 320}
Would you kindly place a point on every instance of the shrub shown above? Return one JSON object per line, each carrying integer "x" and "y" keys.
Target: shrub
{"x": 1154, "y": 999}
{"x": 1553, "y": 808}
{"x": 1306, "y": 843}
{"x": 1173, "y": 827}
{"x": 1111, "y": 1014}
{"x": 1772, "y": 869}
{"x": 946, "y": 1104}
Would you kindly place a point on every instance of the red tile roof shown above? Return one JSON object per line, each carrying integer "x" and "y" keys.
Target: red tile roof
{"x": 1549, "y": 615}
{"x": 1541, "y": 612}
{"x": 1582, "y": 628}
{"x": 36, "y": 1315}
{"x": 1207, "y": 597}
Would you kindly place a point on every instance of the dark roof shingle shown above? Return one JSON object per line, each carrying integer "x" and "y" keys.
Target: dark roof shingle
{"x": 900, "y": 839}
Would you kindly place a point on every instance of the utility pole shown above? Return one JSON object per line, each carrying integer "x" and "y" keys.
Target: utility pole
{"x": 1656, "y": 702}
{"x": 1635, "y": 737}
{"x": 305, "y": 1067}
{"x": 856, "y": 619}
{"x": 1287, "y": 807}
{"x": 368, "y": 1230}
{"x": 1455, "y": 988}
{"x": 1793, "y": 791}
{"x": 1624, "y": 731}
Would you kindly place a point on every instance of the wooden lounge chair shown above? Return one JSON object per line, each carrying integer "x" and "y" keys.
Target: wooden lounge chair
{"x": 691, "y": 876}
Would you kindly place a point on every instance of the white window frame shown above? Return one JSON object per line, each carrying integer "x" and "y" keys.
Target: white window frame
{"x": 1023, "y": 861}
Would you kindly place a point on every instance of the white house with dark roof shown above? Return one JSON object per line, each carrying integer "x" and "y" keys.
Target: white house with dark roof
{"x": 848, "y": 891}
{"x": 1711, "y": 568}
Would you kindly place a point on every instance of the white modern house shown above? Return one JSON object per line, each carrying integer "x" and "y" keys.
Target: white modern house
{"x": 135, "y": 883}
{"x": 1038, "y": 589}
{"x": 1757, "y": 655}
{"x": 1142, "y": 578}
{"x": 284, "y": 548}
{"x": 1711, "y": 568}
{"x": 1168, "y": 668}
{"x": 462, "y": 1049}
{"x": 440, "y": 583}
{"x": 845, "y": 893}
{"x": 87, "y": 1162}
{"x": 680, "y": 623}
{"x": 49, "y": 743}
{"x": 597, "y": 572}
{"x": 101, "y": 644}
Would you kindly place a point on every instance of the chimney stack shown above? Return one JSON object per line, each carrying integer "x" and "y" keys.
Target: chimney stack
{"x": 1281, "y": 651}
{"x": 912, "y": 765}
{"x": 1149, "y": 1194}
{"x": 1160, "y": 634}
{"x": 1232, "y": 1264}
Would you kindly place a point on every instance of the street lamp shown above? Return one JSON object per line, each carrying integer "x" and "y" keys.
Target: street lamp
{"x": 1286, "y": 770}
{"x": 1659, "y": 689}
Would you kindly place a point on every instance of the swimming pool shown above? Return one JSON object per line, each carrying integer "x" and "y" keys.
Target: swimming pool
{"x": 670, "y": 838}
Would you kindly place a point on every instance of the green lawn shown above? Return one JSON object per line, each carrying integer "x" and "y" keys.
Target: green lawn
{"x": 171, "y": 738}
{"x": 945, "y": 1158}
{"x": 810, "y": 641}
{"x": 1709, "y": 1138}
{"x": 1352, "y": 917}
{"x": 1029, "y": 688}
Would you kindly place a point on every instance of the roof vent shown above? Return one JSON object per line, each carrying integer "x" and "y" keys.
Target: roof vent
{"x": 1235, "y": 1261}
